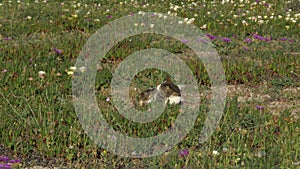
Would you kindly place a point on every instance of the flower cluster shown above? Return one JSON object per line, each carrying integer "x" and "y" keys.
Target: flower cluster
{"x": 7, "y": 163}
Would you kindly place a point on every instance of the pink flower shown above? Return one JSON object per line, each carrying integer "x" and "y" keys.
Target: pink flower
{"x": 183, "y": 153}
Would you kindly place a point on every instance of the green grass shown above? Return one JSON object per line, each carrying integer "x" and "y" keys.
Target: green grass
{"x": 37, "y": 114}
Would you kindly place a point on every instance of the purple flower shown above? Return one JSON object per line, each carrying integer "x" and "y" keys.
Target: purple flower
{"x": 58, "y": 51}
{"x": 4, "y": 159}
{"x": 184, "y": 41}
{"x": 259, "y": 107}
{"x": 266, "y": 5}
{"x": 183, "y": 153}
{"x": 267, "y": 39}
{"x": 291, "y": 40}
{"x": 7, "y": 39}
{"x": 87, "y": 19}
{"x": 248, "y": 40}
{"x": 5, "y": 166}
{"x": 211, "y": 37}
{"x": 256, "y": 36}
{"x": 283, "y": 39}
{"x": 15, "y": 161}
{"x": 234, "y": 36}
{"x": 225, "y": 39}
{"x": 202, "y": 40}
{"x": 245, "y": 48}
{"x": 109, "y": 16}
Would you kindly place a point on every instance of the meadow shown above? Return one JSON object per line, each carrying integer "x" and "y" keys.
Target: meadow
{"x": 258, "y": 45}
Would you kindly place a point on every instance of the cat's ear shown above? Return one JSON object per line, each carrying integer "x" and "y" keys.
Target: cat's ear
{"x": 181, "y": 87}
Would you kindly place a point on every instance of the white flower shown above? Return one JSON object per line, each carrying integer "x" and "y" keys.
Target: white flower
{"x": 151, "y": 25}
{"x": 260, "y": 22}
{"x": 203, "y": 26}
{"x": 244, "y": 22}
{"x": 190, "y": 21}
{"x": 215, "y": 152}
{"x": 73, "y": 68}
{"x": 141, "y": 13}
{"x": 82, "y": 69}
{"x": 41, "y": 74}
{"x": 70, "y": 72}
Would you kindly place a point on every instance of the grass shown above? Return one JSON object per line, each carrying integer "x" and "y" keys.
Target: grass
{"x": 38, "y": 117}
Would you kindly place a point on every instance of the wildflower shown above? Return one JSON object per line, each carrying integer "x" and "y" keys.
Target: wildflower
{"x": 141, "y": 13}
{"x": 203, "y": 26}
{"x": 73, "y": 68}
{"x": 190, "y": 21}
{"x": 4, "y": 70}
{"x": 82, "y": 69}
{"x": 235, "y": 36}
{"x": 4, "y": 159}
{"x": 283, "y": 39}
{"x": 225, "y": 150}
{"x": 151, "y": 25}
{"x": 259, "y": 107}
{"x": 215, "y": 152}
{"x": 5, "y": 162}
{"x": 7, "y": 39}
{"x": 42, "y": 74}
{"x": 248, "y": 40}
{"x": 225, "y": 39}
{"x": 202, "y": 40}
{"x": 183, "y": 153}
{"x": 5, "y": 166}
{"x": 109, "y": 16}
{"x": 15, "y": 161}
{"x": 267, "y": 39}
{"x": 260, "y": 22}
{"x": 245, "y": 48}
{"x": 70, "y": 72}
{"x": 107, "y": 99}
{"x": 211, "y": 37}
{"x": 184, "y": 41}
{"x": 287, "y": 27}
{"x": 261, "y": 154}
{"x": 256, "y": 36}
{"x": 58, "y": 51}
